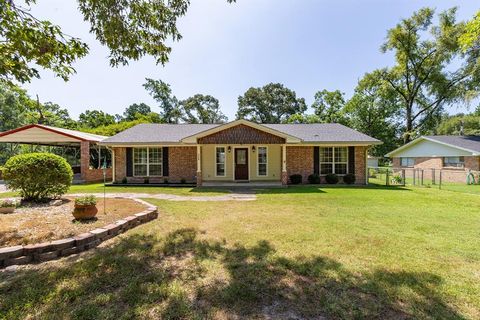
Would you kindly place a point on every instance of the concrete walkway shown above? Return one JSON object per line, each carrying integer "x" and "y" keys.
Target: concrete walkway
{"x": 172, "y": 197}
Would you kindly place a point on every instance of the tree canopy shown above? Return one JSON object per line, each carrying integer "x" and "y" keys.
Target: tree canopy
{"x": 95, "y": 118}
{"x": 329, "y": 106}
{"x": 272, "y": 103}
{"x": 136, "y": 111}
{"x": 130, "y": 29}
{"x": 430, "y": 70}
{"x": 202, "y": 109}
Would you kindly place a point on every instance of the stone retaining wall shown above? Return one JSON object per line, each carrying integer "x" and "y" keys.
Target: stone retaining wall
{"x": 46, "y": 251}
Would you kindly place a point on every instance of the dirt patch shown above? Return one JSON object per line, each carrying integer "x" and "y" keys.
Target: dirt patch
{"x": 44, "y": 222}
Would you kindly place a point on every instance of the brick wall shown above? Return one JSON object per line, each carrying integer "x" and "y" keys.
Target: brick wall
{"x": 182, "y": 164}
{"x": 241, "y": 134}
{"x": 360, "y": 165}
{"x": 432, "y": 166}
{"x": 300, "y": 161}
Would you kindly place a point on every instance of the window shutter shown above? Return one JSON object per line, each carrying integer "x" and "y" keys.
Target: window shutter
{"x": 316, "y": 160}
{"x": 129, "y": 163}
{"x": 165, "y": 161}
{"x": 351, "y": 160}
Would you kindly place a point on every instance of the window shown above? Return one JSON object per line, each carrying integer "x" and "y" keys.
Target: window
{"x": 155, "y": 161}
{"x": 455, "y": 162}
{"x": 334, "y": 160}
{"x": 220, "y": 161}
{"x": 262, "y": 161}
{"x": 147, "y": 162}
{"x": 140, "y": 162}
{"x": 407, "y": 162}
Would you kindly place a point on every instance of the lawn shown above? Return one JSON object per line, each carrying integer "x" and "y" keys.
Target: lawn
{"x": 296, "y": 253}
{"x": 98, "y": 188}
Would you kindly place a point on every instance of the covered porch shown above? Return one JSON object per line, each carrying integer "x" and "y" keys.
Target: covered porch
{"x": 80, "y": 149}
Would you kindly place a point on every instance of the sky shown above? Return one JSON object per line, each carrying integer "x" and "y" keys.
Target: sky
{"x": 307, "y": 45}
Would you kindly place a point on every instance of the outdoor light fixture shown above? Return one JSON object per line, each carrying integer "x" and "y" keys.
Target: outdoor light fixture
{"x": 253, "y": 149}
{"x": 229, "y": 149}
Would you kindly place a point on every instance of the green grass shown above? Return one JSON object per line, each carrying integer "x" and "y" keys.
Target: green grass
{"x": 98, "y": 188}
{"x": 306, "y": 252}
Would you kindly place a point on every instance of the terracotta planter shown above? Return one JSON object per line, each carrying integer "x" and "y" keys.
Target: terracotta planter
{"x": 84, "y": 212}
{"x": 7, "y": 209}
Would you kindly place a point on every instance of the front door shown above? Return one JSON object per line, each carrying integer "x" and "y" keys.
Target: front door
{"x": 241, "y": 164}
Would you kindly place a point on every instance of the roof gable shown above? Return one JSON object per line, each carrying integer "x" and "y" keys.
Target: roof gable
{"x": 259, "y": 127}
{"x": 37, "y": 133}
{"x": 436, "y": 146}
{"x": 241, "y": 134}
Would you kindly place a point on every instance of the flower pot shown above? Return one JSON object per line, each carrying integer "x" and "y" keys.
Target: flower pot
{"x": 7, "y": 209}
{"x": 84, "y": 212}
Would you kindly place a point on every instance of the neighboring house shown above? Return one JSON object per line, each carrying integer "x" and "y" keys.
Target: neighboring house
{"x": 239, "y": 151}
{"x": 455, "y": 155}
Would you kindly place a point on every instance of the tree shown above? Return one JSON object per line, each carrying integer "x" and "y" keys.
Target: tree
{"x": 136, "y": 110}
{"x": 328, "y": 106}
{"x": 460, "y": 125}
{"x": 429, "y": 71}
{"x": 14, "y": 101}
{"x": 130, "y": 29}
{"x": 95, "y": 118}
{"x": 470, "y": 39}
{"x": 202, "y": 109}
{"x": 373, "y": 110}
{"x": 171, "y": 111}
{"x": 303, "y": 118}
{"x": 50, "y": 114}
{"x": 272, "y": 103}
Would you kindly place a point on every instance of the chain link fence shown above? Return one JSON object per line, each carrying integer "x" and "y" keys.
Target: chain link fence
{"x": 448, "y": 179}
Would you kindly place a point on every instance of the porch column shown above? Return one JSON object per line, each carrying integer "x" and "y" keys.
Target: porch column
{"x": 199, "y": 166}
{"x": 284, "y": 165}
{"x": 84, "y": 159}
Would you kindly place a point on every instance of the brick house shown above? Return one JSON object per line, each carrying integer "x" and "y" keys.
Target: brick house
{"x": 455, "y": 156}
{"x": 239, "y": 151}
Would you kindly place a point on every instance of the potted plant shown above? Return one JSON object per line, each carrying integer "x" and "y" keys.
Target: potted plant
{"x": 7, "y": 206}
{"x": 85, "y": 207}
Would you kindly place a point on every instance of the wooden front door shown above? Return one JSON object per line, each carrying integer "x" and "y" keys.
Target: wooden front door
{"x": 241, "y": 164}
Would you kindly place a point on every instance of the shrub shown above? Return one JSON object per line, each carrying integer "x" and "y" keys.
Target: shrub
{"x": 331, "y": 178}
{"x": 296, "y": 178}
{"x": 314, "y": 178}
{"x": 146, "y": 180}
{"x": 124, "y": 180}
{"x": 88, "y": 200}
{"x": 183, "y": 181}
{"x": 349, "y": 178}
{"x": 165, "y": 180}
{"x": 38, "y": 176}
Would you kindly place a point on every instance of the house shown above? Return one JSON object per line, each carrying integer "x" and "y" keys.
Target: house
{"x": 239, "y": 151}
{"x": 454, "y": 155}
{"x": 372, "y": 162}
{"x": 86, "y": 156}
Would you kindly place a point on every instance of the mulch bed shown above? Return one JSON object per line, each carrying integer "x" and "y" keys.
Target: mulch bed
{"x": 35, "y": 223}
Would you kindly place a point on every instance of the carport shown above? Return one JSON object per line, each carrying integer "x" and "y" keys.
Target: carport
{"x": 91, "y": 155}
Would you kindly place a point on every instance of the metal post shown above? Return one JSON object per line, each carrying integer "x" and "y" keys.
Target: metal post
{"x": 440, "y": 184}
{"x": 386, "y": 178}
{"x": 433, "y": 176}
{"x": 422, "y": 177}
{"x": 414, "y": 176}
{"x": 403, "y": 177}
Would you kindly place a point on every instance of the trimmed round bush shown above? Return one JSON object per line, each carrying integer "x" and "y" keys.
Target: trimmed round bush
{"x": 296, "y": 178}
{"x": 314, "y": 178}
{"x": 331, "y": 178}
{"x": 38, "y": 176}
{"x": 349, "y": 178}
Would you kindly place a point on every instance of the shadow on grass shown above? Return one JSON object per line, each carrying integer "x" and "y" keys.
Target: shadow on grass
{"x": 291, "y": 189}
{"x": 182, "y": 276}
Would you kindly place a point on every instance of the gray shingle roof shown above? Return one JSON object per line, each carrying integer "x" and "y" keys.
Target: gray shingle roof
{"x": 153, "y": 133}
{"x": 466, "y": 142}
{"x": 322, "y": 132}
{"x": 174, "y": 133}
